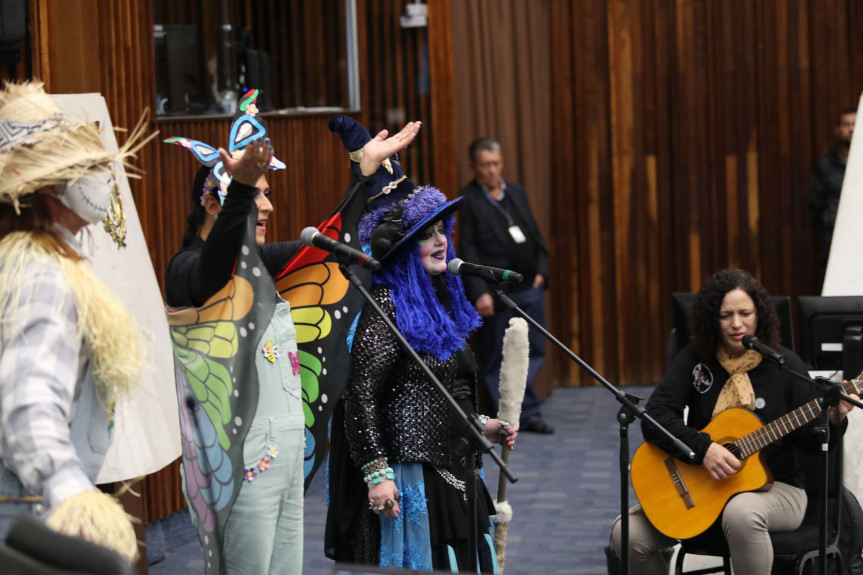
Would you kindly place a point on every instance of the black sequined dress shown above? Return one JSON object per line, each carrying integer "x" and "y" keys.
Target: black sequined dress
{"x": 390, "y": 409}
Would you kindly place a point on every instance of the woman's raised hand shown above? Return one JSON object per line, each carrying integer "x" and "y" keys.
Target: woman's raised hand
{"x": 382, "y": 147}
{"x": 254, "y": 162}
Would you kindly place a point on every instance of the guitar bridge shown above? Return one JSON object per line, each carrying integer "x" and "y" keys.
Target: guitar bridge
{"x": 679, "y": 483}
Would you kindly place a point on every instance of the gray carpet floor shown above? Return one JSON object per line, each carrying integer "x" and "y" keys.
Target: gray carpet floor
{"x": 565, "y": 499}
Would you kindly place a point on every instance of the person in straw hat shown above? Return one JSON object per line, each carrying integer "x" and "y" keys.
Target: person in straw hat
{"x": 397, "y": 489}
{"x": 68, "y": 347}
{"x": 243, "y": 440}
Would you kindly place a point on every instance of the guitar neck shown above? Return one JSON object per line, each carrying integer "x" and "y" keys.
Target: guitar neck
{"x": 782, "y": 426}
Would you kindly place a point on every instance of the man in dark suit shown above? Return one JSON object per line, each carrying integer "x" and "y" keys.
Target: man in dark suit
{"x": 497, "y": 228}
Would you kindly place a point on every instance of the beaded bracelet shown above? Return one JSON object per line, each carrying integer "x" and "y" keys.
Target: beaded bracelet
{"x": 378, "y": 464}
{"x": 483, "y": 419}
{"x": 376, "y": 477}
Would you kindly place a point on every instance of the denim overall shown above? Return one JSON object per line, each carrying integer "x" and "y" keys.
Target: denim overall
{"x": 264, "y": 532}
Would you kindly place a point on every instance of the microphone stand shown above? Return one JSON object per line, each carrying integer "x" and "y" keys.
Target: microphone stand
{"x": 628, "y": 412}
{"x": 831, "y": 394}
{"x": 473, "y": 428}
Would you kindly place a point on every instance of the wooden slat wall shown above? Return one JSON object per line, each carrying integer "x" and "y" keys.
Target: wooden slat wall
{"x": 410, "y": 78}
{"x": 685, "y": 131}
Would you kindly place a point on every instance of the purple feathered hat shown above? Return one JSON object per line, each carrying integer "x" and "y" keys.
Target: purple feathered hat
{"x": 396, "y": 209}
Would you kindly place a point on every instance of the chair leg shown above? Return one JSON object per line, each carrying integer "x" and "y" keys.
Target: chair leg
{"x": 678, "y": 565}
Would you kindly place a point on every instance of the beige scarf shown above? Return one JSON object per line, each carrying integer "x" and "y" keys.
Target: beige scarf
{"x": 737, "y": 391}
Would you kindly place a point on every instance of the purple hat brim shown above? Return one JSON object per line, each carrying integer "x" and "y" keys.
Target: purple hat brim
{"x": 440, "y": 213}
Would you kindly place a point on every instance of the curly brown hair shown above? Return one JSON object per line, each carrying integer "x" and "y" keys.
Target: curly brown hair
{"x": 704, "y": 315}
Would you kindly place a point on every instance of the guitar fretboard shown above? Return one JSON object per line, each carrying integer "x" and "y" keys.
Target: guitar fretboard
{"x": 782, "y": 426}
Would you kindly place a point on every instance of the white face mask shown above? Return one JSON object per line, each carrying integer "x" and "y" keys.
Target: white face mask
{"x": 89, "y": 196}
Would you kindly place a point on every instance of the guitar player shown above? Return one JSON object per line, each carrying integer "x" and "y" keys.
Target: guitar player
{"x": 713, "y": 374}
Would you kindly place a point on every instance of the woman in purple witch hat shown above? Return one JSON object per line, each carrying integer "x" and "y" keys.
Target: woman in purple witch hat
{"x": 397, "y": 489}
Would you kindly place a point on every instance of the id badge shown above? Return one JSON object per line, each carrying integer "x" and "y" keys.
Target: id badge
{"x": 517, "y": 234}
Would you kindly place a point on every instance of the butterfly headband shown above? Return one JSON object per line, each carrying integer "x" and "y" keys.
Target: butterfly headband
{"x": 244, "y": 129}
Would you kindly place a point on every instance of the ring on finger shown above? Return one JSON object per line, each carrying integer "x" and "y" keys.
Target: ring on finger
{"x": 261, "y": 164}
{"x": 397, "y": 496}
{"x": 389, "y": 504}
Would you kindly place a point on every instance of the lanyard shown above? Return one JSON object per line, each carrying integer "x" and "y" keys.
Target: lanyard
{"x": 498, "y": 205}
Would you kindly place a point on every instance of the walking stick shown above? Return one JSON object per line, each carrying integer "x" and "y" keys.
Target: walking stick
{"x": 513, "y": 377}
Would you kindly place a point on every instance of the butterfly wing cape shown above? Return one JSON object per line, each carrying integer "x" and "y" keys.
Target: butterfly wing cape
{"x": 324, "y": 306}
{"x": 214, "y": 357}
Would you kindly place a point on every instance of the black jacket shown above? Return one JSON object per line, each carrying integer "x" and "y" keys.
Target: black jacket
{"x": 484, "y": 235}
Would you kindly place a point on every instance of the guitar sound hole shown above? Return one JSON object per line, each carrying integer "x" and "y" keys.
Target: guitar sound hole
{"x": 733, "y": 448}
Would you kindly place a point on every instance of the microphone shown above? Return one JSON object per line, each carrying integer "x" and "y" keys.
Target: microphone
{"x": 457, "y": 268}
{"x": 344, "y": 253}
{"x": 751, "y": 342}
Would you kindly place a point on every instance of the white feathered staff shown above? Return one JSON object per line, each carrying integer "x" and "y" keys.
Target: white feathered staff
{"x": 513, "y": 377}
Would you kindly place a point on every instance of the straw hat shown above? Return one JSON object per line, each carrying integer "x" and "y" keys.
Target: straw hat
{"x": 39, "y": 147}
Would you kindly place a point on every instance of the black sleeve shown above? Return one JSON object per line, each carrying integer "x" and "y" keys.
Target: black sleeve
{"x": 543, "y": 264}
{"x": 374, "y": 356}
{"x": 276, "y": 255}
{"x": 818, "y": 189}
{"x": 474, "y": 287}
{"x": 193, "y": 275}
{"x": 666, "y": 405}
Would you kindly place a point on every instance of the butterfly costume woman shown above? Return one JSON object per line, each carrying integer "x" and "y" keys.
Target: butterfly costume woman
{"x": 237, "y": 367}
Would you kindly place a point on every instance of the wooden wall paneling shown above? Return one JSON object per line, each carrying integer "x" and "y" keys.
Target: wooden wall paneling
{"x": 853, "y": 18}
{"x": 710, "y": 109}
{"x": 657, "y": 74}
{"x": 439, "y": 103}
{"x": 792, "y": 180}
{"x": 595, "y": 181}
{"x": 66, "y": 26}
{"x": 564, "y": 317}
{"x": 800, "y": 153}
{"x": 689, "y": 118}
{"x": 396, "y": 62}
{"x": 632, "y": 206}
{"x": 770, "y": 95}
{"x": 591, "y": 146}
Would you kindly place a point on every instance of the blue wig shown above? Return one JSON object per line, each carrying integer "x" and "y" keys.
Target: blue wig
{"x": 420, "y": 316}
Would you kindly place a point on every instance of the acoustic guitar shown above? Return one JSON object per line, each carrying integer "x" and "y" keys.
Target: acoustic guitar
{"x": 682, "y": 500}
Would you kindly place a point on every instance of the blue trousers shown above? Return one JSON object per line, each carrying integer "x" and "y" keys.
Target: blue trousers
{"x": 490, "y": 342}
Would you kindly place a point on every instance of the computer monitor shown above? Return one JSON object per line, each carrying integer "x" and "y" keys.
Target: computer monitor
{"x": 682, "y": 302}
{"x": 831, "y": 333}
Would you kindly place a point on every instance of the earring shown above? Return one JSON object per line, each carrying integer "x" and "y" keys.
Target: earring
{"x": 115, "y": 220}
